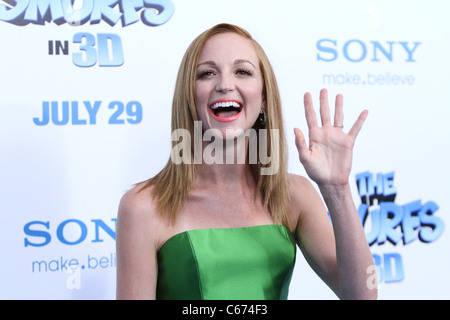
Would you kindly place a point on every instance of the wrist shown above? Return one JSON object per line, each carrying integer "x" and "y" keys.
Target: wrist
{"x": 338, "y": 189}
{"x": 338, "y": 199}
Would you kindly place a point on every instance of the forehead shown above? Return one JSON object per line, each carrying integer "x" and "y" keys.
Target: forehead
{"x": 228, "y": 47}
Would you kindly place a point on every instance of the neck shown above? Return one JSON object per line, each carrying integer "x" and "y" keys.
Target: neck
{"x": 224, "y": 163}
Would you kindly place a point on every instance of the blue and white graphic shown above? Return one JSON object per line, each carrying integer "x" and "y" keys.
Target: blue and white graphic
{"x": 392, "y": 222}
{"x": 23, "y": 12}
{"x": 86, "y": 92}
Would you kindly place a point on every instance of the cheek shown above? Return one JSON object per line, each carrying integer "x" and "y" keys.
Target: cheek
{"x": 200, "y": 95}
{"x": 255, "y": 95}
{"x": 199, "y": 90}
{"x": 201, "y": 99}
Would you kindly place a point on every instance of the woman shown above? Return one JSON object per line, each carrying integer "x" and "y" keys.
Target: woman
{"x": 204, "y": 229}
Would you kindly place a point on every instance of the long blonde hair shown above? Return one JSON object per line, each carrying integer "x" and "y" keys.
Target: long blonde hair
{"x": 172, "y": 184}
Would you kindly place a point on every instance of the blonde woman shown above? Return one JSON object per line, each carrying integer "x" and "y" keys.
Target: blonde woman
{"x": 213, "y": 226}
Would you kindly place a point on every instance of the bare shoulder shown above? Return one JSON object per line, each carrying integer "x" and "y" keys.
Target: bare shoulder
{"x": 137, "y": 240}
{"x": 137, "y": 213}
{"x": 304, "y": 199}
{"x": 300, "y": 188}
{"x": 297, "y": 180}
{"x": 137, "y": 201}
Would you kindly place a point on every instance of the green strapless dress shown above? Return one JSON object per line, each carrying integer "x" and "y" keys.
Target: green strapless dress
{"x": 252, "y": 263}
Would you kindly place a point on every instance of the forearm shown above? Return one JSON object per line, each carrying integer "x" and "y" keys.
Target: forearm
{"x": 353, "y": 254}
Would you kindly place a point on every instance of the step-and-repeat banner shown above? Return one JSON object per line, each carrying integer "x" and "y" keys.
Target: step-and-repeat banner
{"x": 85, "y": 99}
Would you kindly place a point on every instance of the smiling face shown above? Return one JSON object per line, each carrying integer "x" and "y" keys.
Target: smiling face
{"x": 229, "y": 83}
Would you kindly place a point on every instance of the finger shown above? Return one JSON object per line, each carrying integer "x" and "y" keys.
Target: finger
{"x": 358, "y": 124}
{"x": 324, "y": 108}
{"x": 302, "y": 147}
{"x": 339, "y": 111}
{"x": 310, "y": 114}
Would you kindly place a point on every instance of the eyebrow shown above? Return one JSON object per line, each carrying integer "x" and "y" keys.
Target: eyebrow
{"x": 238, "y": 61}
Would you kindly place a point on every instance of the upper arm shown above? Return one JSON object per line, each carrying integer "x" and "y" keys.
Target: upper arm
{"x": 136, "y": 248}
{"x": 314, "y": 231}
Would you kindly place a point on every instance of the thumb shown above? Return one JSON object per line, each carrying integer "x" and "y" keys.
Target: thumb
{"x": 302, "y": 147}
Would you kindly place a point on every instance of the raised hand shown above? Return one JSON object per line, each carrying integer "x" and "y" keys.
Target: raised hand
{"x": 328, "y": 158}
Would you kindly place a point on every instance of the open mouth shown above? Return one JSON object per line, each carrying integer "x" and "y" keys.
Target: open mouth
{"x": 226, "y": 111}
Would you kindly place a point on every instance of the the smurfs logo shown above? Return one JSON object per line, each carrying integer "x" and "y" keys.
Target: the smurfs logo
{"x": 23, "y": 12}
{"x": 87, "y": 49}
{"x": 385, "y": 220}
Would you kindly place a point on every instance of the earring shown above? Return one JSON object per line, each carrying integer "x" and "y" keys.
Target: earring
{"x": 262, "y": 118}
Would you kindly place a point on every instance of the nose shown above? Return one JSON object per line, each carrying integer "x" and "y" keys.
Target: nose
{"x": 225, "y": 84}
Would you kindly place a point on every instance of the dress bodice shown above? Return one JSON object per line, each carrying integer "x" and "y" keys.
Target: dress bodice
{"x": 230, "y": 263}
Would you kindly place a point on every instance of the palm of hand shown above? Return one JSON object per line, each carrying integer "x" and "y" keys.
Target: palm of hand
{"x": 328, "y": 159}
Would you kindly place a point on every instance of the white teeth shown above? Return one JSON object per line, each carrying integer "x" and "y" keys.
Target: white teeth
{"x": 225, "y": 105}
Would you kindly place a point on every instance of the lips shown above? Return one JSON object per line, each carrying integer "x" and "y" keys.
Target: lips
{"x": 226, "y": 110}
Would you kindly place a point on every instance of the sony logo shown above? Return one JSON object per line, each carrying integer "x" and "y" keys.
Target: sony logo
{"x": 355, "y": 50}
{"x": 38, "y": 233}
